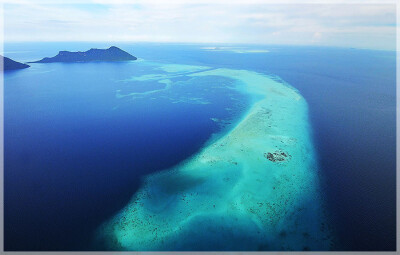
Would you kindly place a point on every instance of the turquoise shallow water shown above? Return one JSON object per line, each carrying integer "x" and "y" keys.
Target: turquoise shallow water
{"x": 255, "y": 185}
{"x": 78, "y": 142}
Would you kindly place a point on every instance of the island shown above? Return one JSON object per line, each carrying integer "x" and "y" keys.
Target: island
{"x": 10, "y": 64}
{"x": 111, "y": 54}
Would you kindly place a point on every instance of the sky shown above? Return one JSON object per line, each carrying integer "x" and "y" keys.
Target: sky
{"x": 370, "y": 25}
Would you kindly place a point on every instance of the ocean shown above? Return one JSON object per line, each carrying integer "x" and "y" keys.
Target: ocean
{"x": 82, "y": 140}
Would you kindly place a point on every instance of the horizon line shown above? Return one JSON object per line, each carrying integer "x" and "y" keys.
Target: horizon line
{"x": 201, "y": 43}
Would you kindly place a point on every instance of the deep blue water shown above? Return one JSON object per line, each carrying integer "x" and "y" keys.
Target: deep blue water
{"x": 74, "y": 153}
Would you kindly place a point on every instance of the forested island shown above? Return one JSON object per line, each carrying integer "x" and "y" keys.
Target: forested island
{"x": 10, "y": 64}
{"x": 111, "y": 54}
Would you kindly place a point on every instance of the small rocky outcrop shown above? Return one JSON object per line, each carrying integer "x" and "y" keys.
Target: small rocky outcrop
{"x": 277, "y": 156}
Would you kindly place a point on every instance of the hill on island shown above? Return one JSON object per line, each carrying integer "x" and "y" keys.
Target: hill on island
{"x": 111, "y": 54}
{"x": 10, "y": 64}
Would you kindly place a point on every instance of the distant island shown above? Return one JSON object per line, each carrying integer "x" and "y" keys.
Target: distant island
{"x": 111, "y": 54}
{"x": 10, "y": 64}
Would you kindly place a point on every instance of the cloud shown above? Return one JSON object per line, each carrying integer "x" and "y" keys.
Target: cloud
{"x": 349, "y": 25}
